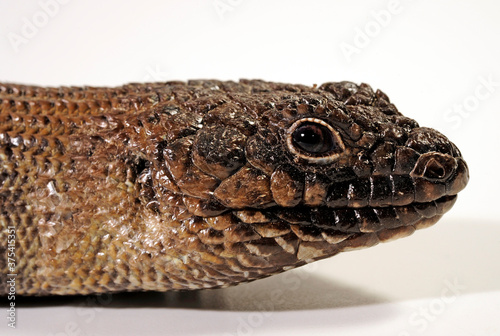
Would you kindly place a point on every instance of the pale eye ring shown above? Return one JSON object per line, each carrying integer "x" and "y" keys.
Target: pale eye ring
{"x": 314, "y": 140}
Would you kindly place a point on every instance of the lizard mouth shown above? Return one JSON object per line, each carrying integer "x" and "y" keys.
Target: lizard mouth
{"x": 335, "y": 225}
{"x": 366, "y": 219}
{"x": 348, "y": 219}
{"x": 416, "y": 203}
{"x": 322, "y": 232}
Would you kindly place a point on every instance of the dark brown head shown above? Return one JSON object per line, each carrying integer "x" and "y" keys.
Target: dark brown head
{"x": 275, "y": 176}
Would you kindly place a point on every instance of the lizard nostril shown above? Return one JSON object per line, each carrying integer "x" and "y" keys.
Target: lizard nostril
{"x": 434, "y": 166}
{"x": 434, "y": 170}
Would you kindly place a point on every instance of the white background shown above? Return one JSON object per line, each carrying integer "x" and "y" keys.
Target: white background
{"x": 432, "y": 58}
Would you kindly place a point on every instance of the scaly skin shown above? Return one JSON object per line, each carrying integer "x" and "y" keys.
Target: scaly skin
{"x": 200, "y": 184}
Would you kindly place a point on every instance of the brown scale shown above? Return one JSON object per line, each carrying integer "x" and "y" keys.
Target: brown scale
{"x": 205, "y": 184}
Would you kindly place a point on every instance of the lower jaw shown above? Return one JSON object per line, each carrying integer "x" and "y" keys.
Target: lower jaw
{"x": 368, "y": 235}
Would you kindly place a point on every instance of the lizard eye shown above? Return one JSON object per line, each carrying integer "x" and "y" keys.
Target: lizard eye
{"x": 314, "y": 140}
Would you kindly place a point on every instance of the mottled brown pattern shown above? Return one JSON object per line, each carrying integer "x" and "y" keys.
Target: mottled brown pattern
{"x": 192, "y": 185}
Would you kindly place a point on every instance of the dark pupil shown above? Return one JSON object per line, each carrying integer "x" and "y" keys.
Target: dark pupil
{"x": 313, "y": 138}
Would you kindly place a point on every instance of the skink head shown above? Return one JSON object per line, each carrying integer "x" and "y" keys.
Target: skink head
{"x": 281, "y": 176}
